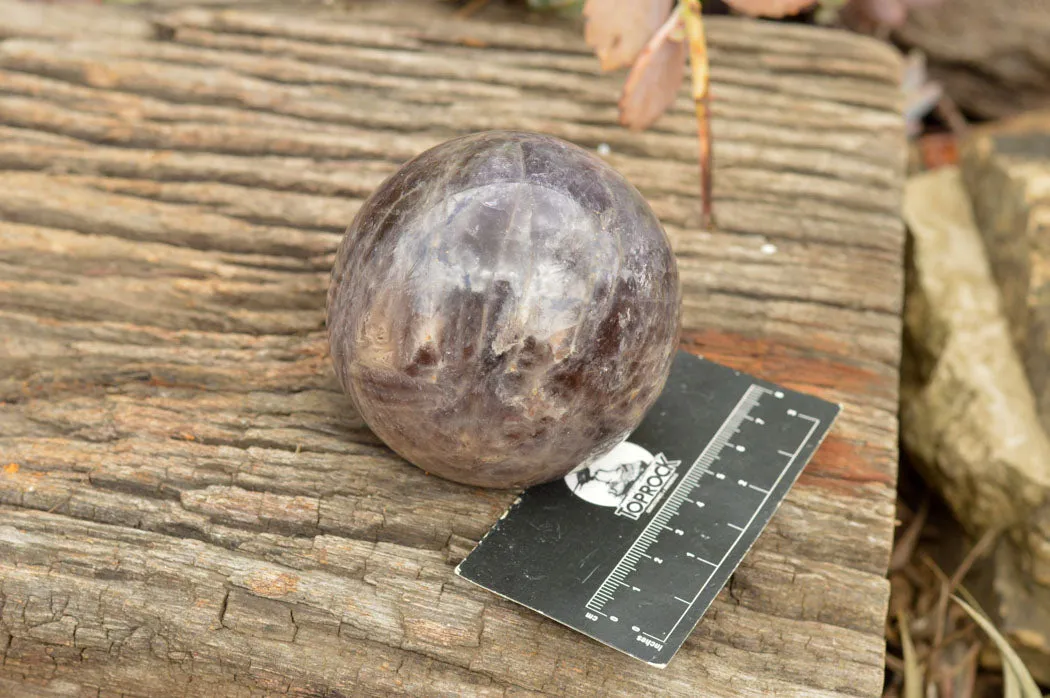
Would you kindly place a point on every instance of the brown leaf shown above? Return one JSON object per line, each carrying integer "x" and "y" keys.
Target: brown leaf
{"x": 653, "y": 82}
{"x": 617, "y": 30}
{"x": 770, "y": 8}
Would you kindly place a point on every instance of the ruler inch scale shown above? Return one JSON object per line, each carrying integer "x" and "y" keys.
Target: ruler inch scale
{"x": 632, "y": 550}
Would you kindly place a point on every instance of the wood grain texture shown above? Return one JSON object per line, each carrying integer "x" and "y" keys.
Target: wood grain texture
{"x": 189, "y": 504}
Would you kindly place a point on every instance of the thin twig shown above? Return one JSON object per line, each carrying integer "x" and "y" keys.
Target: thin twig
{"x": 969, "y": 665}
{"x": 703, "y": 117}
{"x": 895, "y": 663}
{"x": 948, "y": 587}
{"x": 944, "y": 684}
{"x": 908, "y": 540}
{"x": 959, "y": 634}
{"x": 972, "y": 653}
{"x": 699, "y": 62}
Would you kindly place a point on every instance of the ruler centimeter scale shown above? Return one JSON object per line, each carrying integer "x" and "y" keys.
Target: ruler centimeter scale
{"x": 690, "y": 486}
{"x": 632, "y": 550}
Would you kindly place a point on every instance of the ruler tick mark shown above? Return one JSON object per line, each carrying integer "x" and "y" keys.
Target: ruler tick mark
{"x": 685, "y": 491}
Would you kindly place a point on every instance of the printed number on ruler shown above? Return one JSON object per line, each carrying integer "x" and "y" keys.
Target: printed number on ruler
{"x": 684, "y": 577}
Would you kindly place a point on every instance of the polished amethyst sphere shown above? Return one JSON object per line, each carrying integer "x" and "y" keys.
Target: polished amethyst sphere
{"x": 504, "y": 308}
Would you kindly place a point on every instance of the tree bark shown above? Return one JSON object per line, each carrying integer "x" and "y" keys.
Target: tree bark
{"x": 189, "y": 504}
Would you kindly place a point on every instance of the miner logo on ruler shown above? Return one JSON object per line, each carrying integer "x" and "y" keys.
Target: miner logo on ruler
{"x": 632, "y": 548}
{"x": 629, "y": 478}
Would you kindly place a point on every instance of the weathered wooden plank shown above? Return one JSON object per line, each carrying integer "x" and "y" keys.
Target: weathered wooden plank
{"x": 189, "y": 505}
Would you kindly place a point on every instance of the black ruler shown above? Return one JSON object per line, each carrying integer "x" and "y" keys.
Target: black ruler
{"x": 634, "y": 548}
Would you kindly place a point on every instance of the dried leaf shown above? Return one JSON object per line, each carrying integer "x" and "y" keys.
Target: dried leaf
{"x": 770, "y": 8}
{"x": 618, "y": 30}
{"x": 1024, "y": 683}
{"x": 653, "y": 82}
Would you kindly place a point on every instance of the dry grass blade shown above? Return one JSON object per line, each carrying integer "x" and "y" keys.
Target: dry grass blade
{"x": 912, "y": 670}
{"x": 1013, "y": 668}
{"x": 1011, "y": 686}
{"x": 770, "y": 8}
{"x": 653, "y": 82}
{"x": 618, "y": 30}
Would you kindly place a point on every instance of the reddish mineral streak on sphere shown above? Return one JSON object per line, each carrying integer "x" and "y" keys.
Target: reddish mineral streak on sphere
{"x": 504, "y": 308}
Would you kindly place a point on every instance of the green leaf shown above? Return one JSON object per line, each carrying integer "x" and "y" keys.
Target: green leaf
{"x": 1014, "y": 670}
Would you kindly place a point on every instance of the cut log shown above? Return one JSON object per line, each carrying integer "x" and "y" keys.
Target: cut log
{"x": 189, "y": 504}
{"x": 968, "y": 417}
{"x": 1006, "y": 167}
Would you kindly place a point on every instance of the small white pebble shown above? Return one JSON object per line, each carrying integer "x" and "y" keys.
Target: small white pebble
{"x": 604, "y": 149}
{"x": 769, "y": 248}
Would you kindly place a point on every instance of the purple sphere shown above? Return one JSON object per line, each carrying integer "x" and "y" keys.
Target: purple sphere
{"x": 504, "y": 308}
